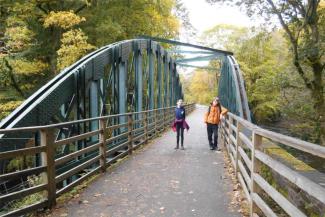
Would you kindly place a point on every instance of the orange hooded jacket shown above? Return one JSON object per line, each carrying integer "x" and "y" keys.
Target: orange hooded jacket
{"x": 214, "y": 116}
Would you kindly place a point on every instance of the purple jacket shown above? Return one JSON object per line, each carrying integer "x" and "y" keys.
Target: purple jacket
{"x": 185, "y": 125}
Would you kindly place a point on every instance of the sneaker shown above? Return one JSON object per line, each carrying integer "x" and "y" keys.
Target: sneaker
{"x": 218, "y": 150}
{"x": 211, "y": 148}
{"x": 182, "y": 148}
{"x": 176, "y": 147}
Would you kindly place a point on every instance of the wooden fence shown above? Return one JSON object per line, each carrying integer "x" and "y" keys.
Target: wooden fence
{"x": 134, "y": 130}
{"x": 244, "y": 143}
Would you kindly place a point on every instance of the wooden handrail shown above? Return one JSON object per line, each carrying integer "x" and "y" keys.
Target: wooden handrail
{"x": 98, "y": 152}
{"x": 251, "y": 136}
{"x": 60, "y": 125}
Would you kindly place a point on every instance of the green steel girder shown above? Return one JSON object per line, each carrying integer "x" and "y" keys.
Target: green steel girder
{"x": 199, "y": 58}
{"x": 101, "y": 83}
{"x": 198, "y": 67}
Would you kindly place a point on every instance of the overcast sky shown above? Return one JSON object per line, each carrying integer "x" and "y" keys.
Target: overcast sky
{"x": 204, "y": 16}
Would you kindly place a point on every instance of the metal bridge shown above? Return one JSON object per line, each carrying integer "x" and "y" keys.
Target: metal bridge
{"x": 115, "y": 100}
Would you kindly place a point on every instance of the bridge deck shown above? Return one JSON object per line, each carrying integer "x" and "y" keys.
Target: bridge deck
{"x": 160, "y": 181}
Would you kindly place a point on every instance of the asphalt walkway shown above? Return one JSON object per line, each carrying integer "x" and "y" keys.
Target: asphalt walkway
{"x": 160, "y": 181}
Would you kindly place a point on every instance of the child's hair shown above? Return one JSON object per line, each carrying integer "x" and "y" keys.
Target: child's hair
{"x": 219, "y": 105}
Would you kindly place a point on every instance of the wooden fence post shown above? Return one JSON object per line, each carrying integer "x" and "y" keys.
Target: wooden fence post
{"x": 238, "y": 144}
{"x": 223, "y": 131}
{"x": 156, "y": 122}
{"x": 130, "y": 134}
{"x": 229, "y": 133}
{"x": 164, "y": 119}
{"x": 47, "y": 159}
{"x": 145, "y": 125}
{"x": 256, "y": 166}
{"x": 102, "y": 146}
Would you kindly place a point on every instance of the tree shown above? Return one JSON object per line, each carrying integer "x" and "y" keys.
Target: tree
{"x": 38, "y": 38}
{"x": 303, "y": 23}
{"x": 256, "y": 53}
{"x": 225, "y": 36}
{"x": 124, "y": 19}
{"x": 200, "y": 87}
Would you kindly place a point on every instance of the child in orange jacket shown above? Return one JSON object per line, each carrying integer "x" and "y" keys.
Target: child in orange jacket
{"x": 212, "y": 119}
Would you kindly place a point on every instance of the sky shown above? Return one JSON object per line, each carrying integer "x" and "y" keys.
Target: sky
{"x": 204, "y": 16}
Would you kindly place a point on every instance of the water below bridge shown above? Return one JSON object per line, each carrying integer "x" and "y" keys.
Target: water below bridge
{"x": 160, "y": 181}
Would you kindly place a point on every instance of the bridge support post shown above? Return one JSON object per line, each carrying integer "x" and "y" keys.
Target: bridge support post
{"x": 122, "y": 91}
{"x": 130, "y": 133}
{"x": 256, "y": 166}
{"x": 166, "y": 66}
{"x": 102, "y": 147}
{"x": 171, "y": 83}
{"x": 151, "y": 79}
{"x": 159, "y": 85}
{"x": 139, "y": 82}
{"x": 47, "y": 140}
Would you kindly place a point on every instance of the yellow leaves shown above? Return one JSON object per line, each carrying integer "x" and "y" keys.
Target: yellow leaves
{"x": 202, "y": 87}
{"x": 7, "y": 107}
{"x": 26, "y": 67}
{"x": 73, "y": 46}
{"x": 19, "y": 37}
{"x": 62, "y": 19}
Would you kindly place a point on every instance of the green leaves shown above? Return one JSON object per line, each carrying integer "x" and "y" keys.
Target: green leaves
{"x": 38, "y": 38}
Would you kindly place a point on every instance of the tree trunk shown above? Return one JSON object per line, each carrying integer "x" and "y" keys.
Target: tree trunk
{"x": 14, "y": 83}
{"x": 318, "y": 97}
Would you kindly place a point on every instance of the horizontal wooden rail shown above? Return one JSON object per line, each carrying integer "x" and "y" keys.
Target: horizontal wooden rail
{"x": 76, "y": 138}
{"x": 237, "y": 135}
{"x": 20, "y": 152}
{"x": 99, "y": 149}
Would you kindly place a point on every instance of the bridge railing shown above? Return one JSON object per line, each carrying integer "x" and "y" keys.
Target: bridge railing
{"x": 115, "y": 137}
{"x": 244, "y": 142}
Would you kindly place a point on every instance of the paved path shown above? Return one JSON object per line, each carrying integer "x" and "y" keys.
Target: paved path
{"x": 160, "y": 181}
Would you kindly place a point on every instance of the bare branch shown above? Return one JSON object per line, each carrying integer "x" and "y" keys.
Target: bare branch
{"x": 80, "y": 8}
{"x": 14, "y": 83}
{"x": 39, "y": 6}
{"x": 294, "y": 44}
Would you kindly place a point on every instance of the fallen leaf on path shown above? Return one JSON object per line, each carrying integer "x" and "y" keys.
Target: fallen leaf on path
{"x": 162, "y": 209}
{"x": 97, "y": 195}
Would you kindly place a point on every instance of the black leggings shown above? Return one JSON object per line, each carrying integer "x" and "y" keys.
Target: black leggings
{"x": 213, "y": 130}
{"x": 180, "y": 132}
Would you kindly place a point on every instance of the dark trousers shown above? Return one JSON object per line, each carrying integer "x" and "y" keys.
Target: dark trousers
{"x": 180, "y": 133}
{"x": 213, "y": 131}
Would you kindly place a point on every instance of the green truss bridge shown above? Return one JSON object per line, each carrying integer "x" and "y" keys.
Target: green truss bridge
{"x": 118, "y": 103}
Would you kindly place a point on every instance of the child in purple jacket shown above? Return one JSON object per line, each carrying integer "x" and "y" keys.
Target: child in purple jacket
{"x": 180, "y": 123}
